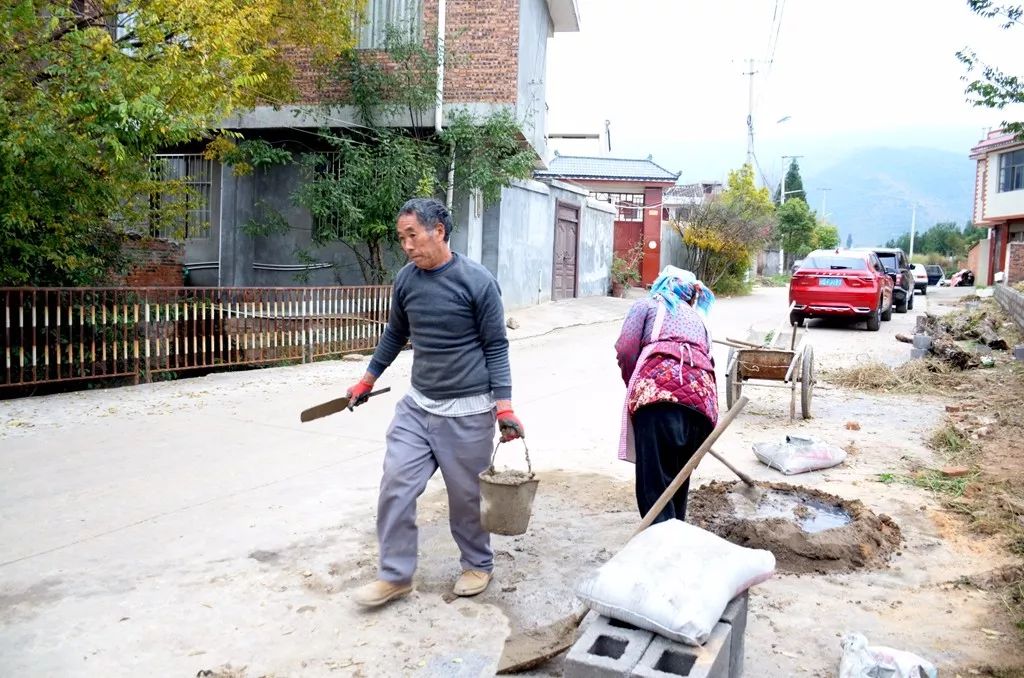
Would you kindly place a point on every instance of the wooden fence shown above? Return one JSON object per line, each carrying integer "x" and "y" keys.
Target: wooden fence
{"x": 65, "y": 334}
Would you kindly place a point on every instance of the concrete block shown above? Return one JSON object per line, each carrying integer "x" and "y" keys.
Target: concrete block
{"x": 918, "y": 353}
{"x": 607, "y": 649}
{"x": 667, "y": 659}
{"x": 1018, "y": 352}
{"x": 922, "y": 341}
{"x": 735, "y": 616}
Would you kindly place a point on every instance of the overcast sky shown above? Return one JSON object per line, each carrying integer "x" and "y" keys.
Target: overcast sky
{"x": 668, "y": 74}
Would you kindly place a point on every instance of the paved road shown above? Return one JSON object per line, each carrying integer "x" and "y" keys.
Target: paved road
{"x": 167, "y": 528}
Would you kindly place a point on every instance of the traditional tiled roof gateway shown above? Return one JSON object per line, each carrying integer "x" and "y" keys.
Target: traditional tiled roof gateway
{"x": 609, "y": 169}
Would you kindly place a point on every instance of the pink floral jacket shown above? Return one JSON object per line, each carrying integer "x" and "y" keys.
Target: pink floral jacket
{"x": 667, "y": 359}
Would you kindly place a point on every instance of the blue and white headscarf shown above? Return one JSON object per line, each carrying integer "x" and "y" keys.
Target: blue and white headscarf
{"x": 675, "y": 285}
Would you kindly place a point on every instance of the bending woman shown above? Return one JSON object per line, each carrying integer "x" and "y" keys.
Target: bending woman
{"x": 664, "y": 352}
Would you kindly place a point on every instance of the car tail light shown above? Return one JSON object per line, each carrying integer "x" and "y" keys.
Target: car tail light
{"x": 803, "y": 280}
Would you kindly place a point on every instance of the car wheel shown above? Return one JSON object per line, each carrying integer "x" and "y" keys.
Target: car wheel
{"x": 875, "y": 319}
{"x": 796, "y": 319}
{"x": 910, "y": 302}
{"x": 902, "y": 306}
{"x": 887, "y": 313}
{"x": 924, "y": 291}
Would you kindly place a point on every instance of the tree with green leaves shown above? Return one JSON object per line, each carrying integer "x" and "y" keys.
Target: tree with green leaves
{"x": 91, "y": 90}
{"x": 382, "y": 167}
{"x": 355, "y": 201}
{"x": 793, "y": 184}
{"x": 824, "y": 237}
{"x": 994, "y": 88}
{"x": 944, "y": 238}
{"x": 796, "y": 229}
{"x": 722, "y": 234}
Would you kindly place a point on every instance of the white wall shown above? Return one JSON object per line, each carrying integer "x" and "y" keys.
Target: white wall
{"x": 999, "y": 205}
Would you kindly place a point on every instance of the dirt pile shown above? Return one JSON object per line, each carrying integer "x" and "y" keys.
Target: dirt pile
{"x": 822, "y": 533}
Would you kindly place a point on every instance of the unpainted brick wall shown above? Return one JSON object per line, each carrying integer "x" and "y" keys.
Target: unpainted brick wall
{"x": 1015, "y": 269}
{"x": 1012, "y": 302}
{"x": 483, "y": 36}
{"x": 154, "y": 263}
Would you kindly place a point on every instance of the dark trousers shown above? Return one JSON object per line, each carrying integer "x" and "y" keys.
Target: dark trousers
{"x": 665, "y": 436}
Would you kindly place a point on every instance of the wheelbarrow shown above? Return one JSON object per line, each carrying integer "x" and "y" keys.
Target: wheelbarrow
{"x": 763, "y": 365}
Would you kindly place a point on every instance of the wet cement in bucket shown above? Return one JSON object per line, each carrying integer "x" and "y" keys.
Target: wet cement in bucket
{"x": 807, "y": 530}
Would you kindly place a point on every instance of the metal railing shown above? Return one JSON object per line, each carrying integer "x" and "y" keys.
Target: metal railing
{"x": 67, "y": 334}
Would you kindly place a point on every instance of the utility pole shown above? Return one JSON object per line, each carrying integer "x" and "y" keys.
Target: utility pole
{"x": 824, "y": 194}
{"x": 913, "y": 228}
{"x": 750, "y": 114}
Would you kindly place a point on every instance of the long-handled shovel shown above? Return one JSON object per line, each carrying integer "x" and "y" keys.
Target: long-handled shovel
{"x": 531, "y": 648}
{"x": 750, "y": 489}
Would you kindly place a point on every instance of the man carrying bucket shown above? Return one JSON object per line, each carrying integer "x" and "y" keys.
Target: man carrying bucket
{"x": 451, "y": 309}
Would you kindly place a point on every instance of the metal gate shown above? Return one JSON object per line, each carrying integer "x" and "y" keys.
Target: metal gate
{"x": 567, "y": 228}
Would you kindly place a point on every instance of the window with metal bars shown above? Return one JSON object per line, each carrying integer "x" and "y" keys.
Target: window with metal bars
{"x": 182, "y": 214}
{"x": 629, "y": 205}
{"x": 1011, "y": 171}
{"x": 380, "y": 15}
{"x": 328, "y": 168}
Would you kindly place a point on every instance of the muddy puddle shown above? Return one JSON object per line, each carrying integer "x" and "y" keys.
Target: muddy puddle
{"x": 807, "y": 530}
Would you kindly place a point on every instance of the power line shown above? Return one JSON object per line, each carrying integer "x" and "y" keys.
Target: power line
{"x": 773, "y": 44}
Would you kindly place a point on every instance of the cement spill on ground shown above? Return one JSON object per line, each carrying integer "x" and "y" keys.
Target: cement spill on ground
{"x": 812, "y": 515}
{"x": 807, "y": 530}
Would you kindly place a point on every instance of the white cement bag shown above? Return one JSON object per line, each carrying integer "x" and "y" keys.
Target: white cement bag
{"x": 674, "y": 579}
{"x": 799, "y": 455}
{"x": 861, "y": 661}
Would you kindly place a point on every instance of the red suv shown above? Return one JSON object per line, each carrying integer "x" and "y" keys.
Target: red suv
{"x": 841, "y": 283}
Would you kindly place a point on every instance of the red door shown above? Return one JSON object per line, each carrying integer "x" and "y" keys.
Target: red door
{"x": 627, "y": 235}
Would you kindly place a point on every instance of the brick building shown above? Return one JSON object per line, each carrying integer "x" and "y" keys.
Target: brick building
{"x": 501, "y": 63}
{"x": 999, "y": 205}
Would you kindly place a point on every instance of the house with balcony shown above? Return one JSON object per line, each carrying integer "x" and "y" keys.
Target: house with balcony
{"x": 999, "y": 205}
{"x": 501, "y": 64}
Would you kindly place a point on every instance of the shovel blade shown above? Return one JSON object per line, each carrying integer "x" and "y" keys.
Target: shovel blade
{"x": 529, "y": 649}
{"x": 323, "y": 409}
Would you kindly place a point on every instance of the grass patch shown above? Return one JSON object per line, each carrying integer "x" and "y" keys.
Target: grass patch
{"x": 953, "y": 444}
{"x": 781, "y": 280}
{"x": 932, "y": 480}
{"x": 939, "y": 483}
{"x": 916, "y": 376}
{"x": 733, "y": 286}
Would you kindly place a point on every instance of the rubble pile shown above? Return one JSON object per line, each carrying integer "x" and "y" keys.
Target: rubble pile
{"x": 961, "y": 340}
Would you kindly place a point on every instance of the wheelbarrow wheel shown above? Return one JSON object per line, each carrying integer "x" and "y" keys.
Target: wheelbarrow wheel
{"x": 733, "y": 385}
{"x": 807, "y": 382}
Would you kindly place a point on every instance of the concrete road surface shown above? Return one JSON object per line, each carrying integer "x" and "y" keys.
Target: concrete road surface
{"x": 169, "y": 528}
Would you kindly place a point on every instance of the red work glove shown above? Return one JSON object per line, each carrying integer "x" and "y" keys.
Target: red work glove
{"x": 509, "y": 425}
{"x": 358, "y": 394}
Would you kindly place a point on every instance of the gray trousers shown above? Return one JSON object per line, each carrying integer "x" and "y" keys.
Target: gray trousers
{"x": 418, "y": 443}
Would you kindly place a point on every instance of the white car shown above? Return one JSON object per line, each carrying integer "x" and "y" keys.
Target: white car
{"x": 920, "y": 278}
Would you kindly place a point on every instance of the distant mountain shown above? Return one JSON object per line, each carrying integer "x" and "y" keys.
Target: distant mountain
{"x": 873, "y": 191}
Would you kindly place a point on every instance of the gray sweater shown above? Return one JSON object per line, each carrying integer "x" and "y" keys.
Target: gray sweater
{"x": 456, "y": 321}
